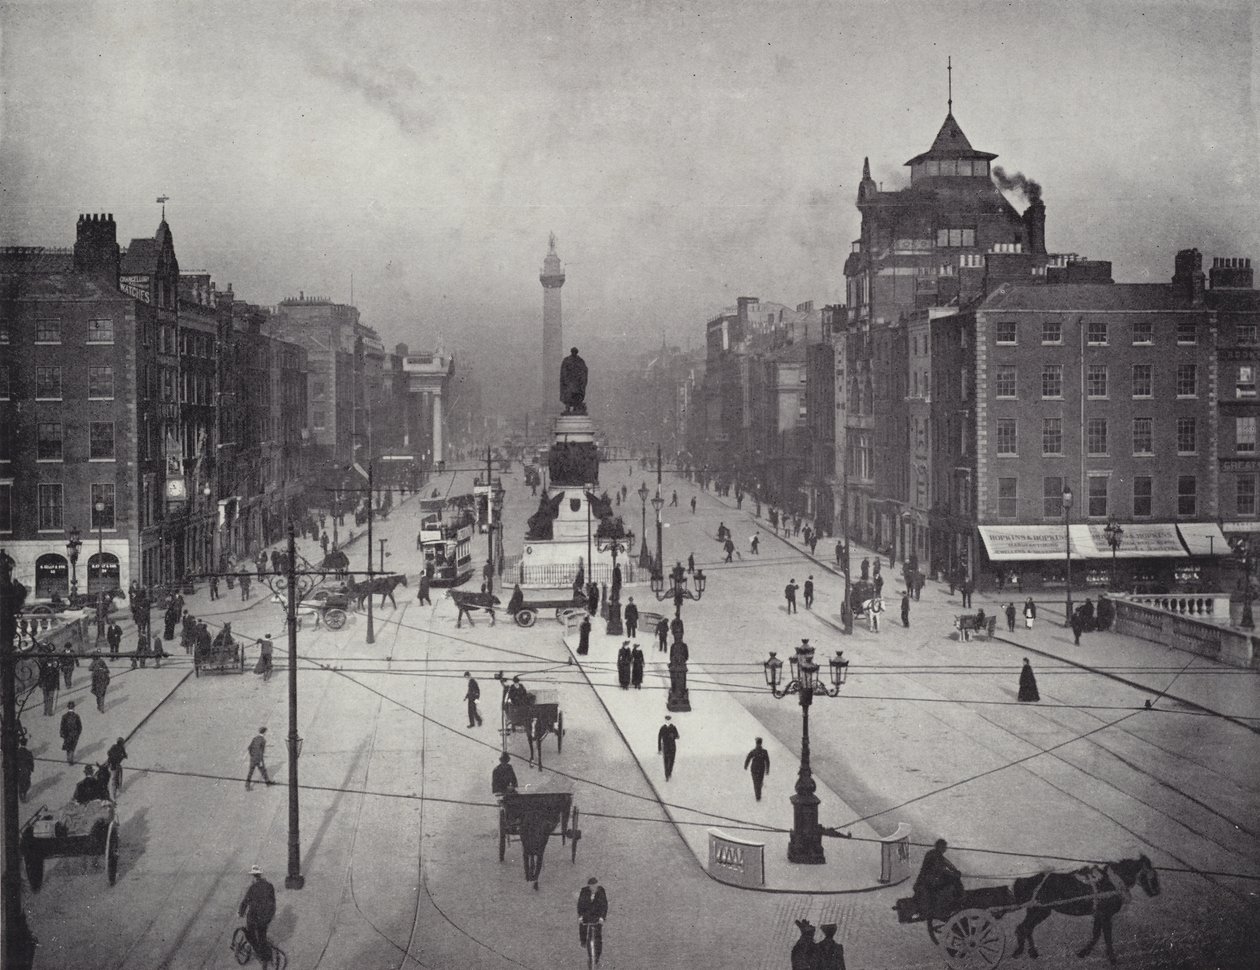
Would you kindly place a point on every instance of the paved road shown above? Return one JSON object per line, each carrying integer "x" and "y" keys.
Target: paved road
{"x": 399, "y": 835}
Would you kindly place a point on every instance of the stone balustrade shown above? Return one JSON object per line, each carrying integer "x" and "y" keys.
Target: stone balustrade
{"x": 1211, "y": 638}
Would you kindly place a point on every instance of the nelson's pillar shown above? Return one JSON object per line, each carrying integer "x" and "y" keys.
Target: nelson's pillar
{"x": 552, "y": 278}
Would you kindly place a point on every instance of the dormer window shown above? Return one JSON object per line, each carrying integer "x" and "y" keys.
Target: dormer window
{"x": 932, "y": 168}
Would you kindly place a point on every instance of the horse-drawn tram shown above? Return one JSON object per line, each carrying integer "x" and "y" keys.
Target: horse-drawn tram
{"x": 445, "y": 539}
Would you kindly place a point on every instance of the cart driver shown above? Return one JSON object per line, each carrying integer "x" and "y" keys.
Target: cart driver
{"x": 517, "y": 601}
{"x": 503, "y": 778}
{"x": 516, "y": 693}
{"x": 939, "y": 885}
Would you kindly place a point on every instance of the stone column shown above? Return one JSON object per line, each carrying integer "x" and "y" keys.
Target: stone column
{"x": 437, "y": 427}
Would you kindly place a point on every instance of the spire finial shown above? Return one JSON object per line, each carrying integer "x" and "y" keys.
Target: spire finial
{"x": 162, "y": 200}
{"x": 551, "y": 241}
{"x": 866, "y": 167}
{"x": 949, "y": 70}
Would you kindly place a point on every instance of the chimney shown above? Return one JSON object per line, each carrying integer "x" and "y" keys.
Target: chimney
{"x": 1035, "y": 226}
{"x": 1231, "y": 273}
{"x": 400, "y": 350}
{"x": 1188, "y": 276}
{"x": 743, "y": 303}
{"x": 96, "y": 246}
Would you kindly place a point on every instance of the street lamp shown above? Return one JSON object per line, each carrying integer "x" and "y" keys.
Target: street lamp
{"x": 1067, "y": 548}
{"x": 615, "y": 545}
{"x": 1242, "y": 546}
{"x": 805, "y": 840}
{"x": 73, "y": 545}
{"x": 658, "y": 503}
{"x": 678, "y": 590}
{"x": 645, "y": 558}
{"x": 1114, "y": 534}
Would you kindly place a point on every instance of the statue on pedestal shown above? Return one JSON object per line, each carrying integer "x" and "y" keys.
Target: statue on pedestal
{"x": 573, "y": 383}
{"x": 678, "y": 699}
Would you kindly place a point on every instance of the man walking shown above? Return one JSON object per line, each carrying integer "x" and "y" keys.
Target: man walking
{"x": 425, "y": 585}
{"x": 265, "y": 652}
{"x": 99, "y": 671}
{"x": 71, "y": 729}
{"x": 68, "y": 662}
{"x": 729, "y": 546}
{"x": 257, "y": 752}
{"x": 662, "y": 634}
{"x": 693, "y": 505}
{"x": 965, "y": 589}
{"x": 632, "y": 619}
{"x": 49, "y": 678}
{"x": 754, "y": 543}
{"x": 809, "y": 593}
{"x": 905, "y": 610}
{"x": 214, "y": 587}
{"x": 758, "y": 762}
{"x": 114, "y": 758}
{"x": 472, "y": 695}
{"x": 789, "y": 593}
{"x": 259, "y": 909}
{"x": 667, "y": 744}
{"x": 113, "y": 637}
{"x": 25, "y": 769}
{"x": 245, "y": 583}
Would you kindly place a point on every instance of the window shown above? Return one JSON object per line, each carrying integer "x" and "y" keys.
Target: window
{"x": 1143, "y": 332}
{"x": 1247, "y": 333}
{"x": 1245, "y": 386}
{"x": 1004, "y": 380}
{"x": 317, "y": 388}
{"x": 1187, "y": 436}
{"x": 48, "y": 383}
{"x": 101, "y": 383}
{"x": 6, "y": 438}
{"x": 1052, "y": 436}
{"x": 101, "y": 439}
{"x": 1142, "y": 497}
{"x": 1051, "y": 332}
{"x": 168, "y": 384}
{"x": 1008, "y": 495}
{"x": 1007, "y": 435}
{"x": 48, "y": 331}
{"x": 1143, "y": 437}
{"x": 1187, "y": 495}
{"x": 318, "y": 418}
{"x": 100, "y": 331}
{"x": 1096, "y": 436}
{"x": 1052, "y": 380}
{"x": 955, "y": 237}
{"x": 1143, "y": 381}
{"x": 1245, "y": 495}
{"x": 1096, "y": 380}
{"x": 1187, "y": 331}
{"x": 964, "y": 166}
{"x": 48, "y": 441}
{"x": 1096, "y": 333}
{"x": 50, "y": 517}
{"x": 6, "y": 507}
{"x": 103, "y": 494}
{"x": 1097, "y": 496}
{"x": 1187, "y": 380}
{"x": 1052, "y": 497}
{"x": 1004, "y": 332}
{"x": 1245, "y": 435}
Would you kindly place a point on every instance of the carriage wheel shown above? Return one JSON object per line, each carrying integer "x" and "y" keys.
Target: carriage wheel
{"x": 111, "y": 853}
{"x": 559, "y": 732}
{"x": 574, "y": 834}
{"x": 502, "y": 834}
{"x": 34, "y": 860}
{"x": 335, "y": 619}
{"x": 526, "y": 617}
{"x": 972, "y": 938}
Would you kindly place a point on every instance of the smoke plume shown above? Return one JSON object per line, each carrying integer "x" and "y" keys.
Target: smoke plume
{"x": 1018, "y": 183}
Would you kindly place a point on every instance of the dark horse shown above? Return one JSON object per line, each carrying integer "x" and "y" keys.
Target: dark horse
{"x": 385, "y": 585}
{"x": 465, "y": 603}
{"x": 1099, "y": 891}
{"x": 338, "y": 562}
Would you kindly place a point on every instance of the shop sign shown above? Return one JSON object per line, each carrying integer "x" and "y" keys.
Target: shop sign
{"x": 1240, "y": 464}
{"x": 1011, "y": 542}
{"x": 136, "y": 287}
{"x": 1234, "y": 354}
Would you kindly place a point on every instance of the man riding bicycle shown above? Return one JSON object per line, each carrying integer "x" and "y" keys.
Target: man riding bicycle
{"x": 259, "y": 908}
{"x": 592, "y": 907}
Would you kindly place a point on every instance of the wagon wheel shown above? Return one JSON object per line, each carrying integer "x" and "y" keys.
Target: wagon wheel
{"x": 502, "y": 833}
{"x": 972, "y": 938}
{"x": 559, "y": 732}
{"x": 335, "y": 619}
{"x": 526, "y": 617}
{"x": 575, "y": 833}
{"x": 34, "y": 859}
{"x": 111, "y": 852}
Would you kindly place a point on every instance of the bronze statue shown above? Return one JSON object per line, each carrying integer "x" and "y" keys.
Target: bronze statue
{"x": 573, "y": 383}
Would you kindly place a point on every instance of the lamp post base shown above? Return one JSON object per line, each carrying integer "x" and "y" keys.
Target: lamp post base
{"x": 294, "y": 882}
{"x": 805, "y": 850}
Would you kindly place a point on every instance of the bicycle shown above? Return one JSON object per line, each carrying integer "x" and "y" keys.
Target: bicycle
{"x": 244, "y": 950}
{"x": 594, "y": 929}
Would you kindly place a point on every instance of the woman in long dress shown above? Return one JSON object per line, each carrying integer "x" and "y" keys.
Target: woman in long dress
{"x": 1030, "y": 613}
{"x": 1028, "y": 683}
{"x": 636, "y": 668}
{"x": 623, "y": 665}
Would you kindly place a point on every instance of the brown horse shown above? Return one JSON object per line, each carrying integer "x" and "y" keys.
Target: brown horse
{"x": 1099, "y": 891}
{"x": 385, "y": 585}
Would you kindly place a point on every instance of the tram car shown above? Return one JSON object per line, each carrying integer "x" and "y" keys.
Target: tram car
{"x": 446, "y": 533}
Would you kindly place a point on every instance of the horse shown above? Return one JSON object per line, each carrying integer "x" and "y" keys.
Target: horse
{"x": 338, "y": 562}
{"x": 1099, "y": 891}
{"x": 385, "y": 585}
{"x": 466, "y": 602}
{"x": 969, "y": 623}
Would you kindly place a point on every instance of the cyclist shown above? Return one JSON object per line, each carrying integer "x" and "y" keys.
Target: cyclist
{"x": 592, "y": 907}
{"x": 259, "y": 908}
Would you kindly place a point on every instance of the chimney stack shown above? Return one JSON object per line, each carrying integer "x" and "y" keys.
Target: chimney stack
{"x": 1188, "y": 277}
{"x": 1231, "y": 273}
{"x": 96, "y": 246}
{"x": 1035, "y": 227}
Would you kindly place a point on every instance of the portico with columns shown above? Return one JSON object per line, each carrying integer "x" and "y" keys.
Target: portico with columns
{"x": 428, "y": 378}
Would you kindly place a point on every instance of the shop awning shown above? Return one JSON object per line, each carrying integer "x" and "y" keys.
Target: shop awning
{"x": 1027, "y": 542}
{"x": 1204, "y": 539}
{"x": 1141, "y": 540}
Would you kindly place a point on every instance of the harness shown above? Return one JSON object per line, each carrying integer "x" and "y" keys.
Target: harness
{"x": 1093, "y": 877}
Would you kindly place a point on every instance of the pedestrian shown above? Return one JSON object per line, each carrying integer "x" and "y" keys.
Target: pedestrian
{"x": 632, "y": 619}
{"x": 265, "y": 656}
{"x": 905, "y": 610}
{"x": 592, "y": 909}
{"x": 114, "y": 758}
{"x": 875, "y": 570}
{"x": 828, "y": 954}
{"x": 1087, "y": 615}
{"x": 71, "y": 729}
{"x": 809, "y": 593}
{"x": 839, "y": 551}
{"x": 693, "y": 505}
{"x": 1030, "y": 613}
{"x": 141, "y": 656}
{"x": 691, "y": 562}
{"x": 804, "y": 949}
{"x": 259, "y": 909}
{"x": 472, "y": 695}
{"x": 49, "y": 678}
{"x": 261, "y": 565}
{"x": 1028, "y": 683}
{"x": 965, "y": 588}
{"x": 157, "y": 651}
{"x": 662, "y": 634}
{"x": 866, "y": 569}
{"x": 99, "y": 671}
{"x": 623, "y": 665}
{"x": 113, "y": 636}
{"x": 584, "y": 635}
{"x": 729, "y": 547}
{"x": 25, "y": 765}
{"x": 425, "y": 585}
{"x": 592, "y": 598}
{"x": 673, "y": 502}
{"x": 245, "y": 584}
{"x": 214, "y": 587}
{"x": 667, "y": 744}
{"x": 754, "y": 543}
{"x": 873, "y": 614}
{"x": 879, "y": 585}
{"x": 323, "y": 543}
{"x": 67, "y": 661}
{"x": 257, "y": 754}
{"x": 758, "y": 762}
{"x": 636, "y": 668}
{"x": 169, "y": 619}
{"x": 789, "y": 594}
{"x": 1077, "y": 626}
{"x": 1010, "y": 617}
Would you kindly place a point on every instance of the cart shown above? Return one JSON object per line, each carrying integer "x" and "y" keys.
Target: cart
{"x": 223, "y": 656}
{"x": 75, "y": 830}
{"x": 539, "y": 716}
{"x": 328, "y": 606}
{"x": 965, "y": 926}
{"x": 967, "y": 626}
{"x": 530, "y": 817}
{"x": 527, "y": 615}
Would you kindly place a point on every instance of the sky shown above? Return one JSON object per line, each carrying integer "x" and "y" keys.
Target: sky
{"x": 684, "y": 154}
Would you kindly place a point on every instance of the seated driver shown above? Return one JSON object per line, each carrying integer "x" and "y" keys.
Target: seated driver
{"x": 516, "y": 693}
{"x": 939, "y": 883}
{"x": 503, "y": 778}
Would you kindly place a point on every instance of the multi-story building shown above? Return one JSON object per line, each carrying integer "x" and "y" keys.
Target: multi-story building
{"x": 198, "y": 408}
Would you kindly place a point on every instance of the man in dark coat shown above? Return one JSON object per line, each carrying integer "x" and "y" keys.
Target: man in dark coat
{"x": 116, "y": 755}
{"x": 636, "y": 668}
{"x": 1010, "y": 617}
{"x": 515, "y": 601}
{"x": 1087, "y": 614}
{"x": 113, "y": 636}
{"x": 866, "y": 569}
{"x": 623, "y": 665}
{"x": 804, "y": 949}
{"x": 758, "y": 762}
{"x": 49, "y": 679}
{"x": 662, "y": 634}
{"x": 632, "y": 619}
{"x": 425, "y": 584}
{"x": 1077, "y": 626}
{"x": 71, "y": 729}
{"x": 592, "y": 908}
{"x": 259, "y": 909}
{"x": 100, "y": 681}
{"x": 667, "y": 744}
{"x": 789, "y": 594}
{"x": 25, "y": 769}
{"x": 809, "y": 593}
{"x": 965, "y": 588}
{"x": 1028, "y": 683}
{"x": 584, "y": 635}
{"x": 170, "y": 618}
{"x": 592, "y": 598}
{"x": 937, "y": 877}
{"x": 68, "y": 662}
{"x": 828, "y": 954}
{"x": 472, "y": 695}
{"x": 503, "y": 778}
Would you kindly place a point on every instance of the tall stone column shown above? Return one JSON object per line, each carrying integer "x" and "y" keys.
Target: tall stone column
{"x": 552, "y": 279}
{"x": 437, "y": 427}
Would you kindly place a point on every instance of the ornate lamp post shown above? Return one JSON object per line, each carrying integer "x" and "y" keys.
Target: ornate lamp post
{"x": 1067, "y": 549}
{"x": 1115, "y": 535}
{"x": 658, "y": 503}
{"x": 805, "y": 840}
{"x": 645, "y": 558}
{"x": 73, "y": 545}
{"x": 678, "y": 590}
{"x": 615, "y": 545}
{"x": 1242, "y": 546}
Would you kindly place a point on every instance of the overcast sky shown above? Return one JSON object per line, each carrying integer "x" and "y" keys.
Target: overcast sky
{"x": 684, "y": 154}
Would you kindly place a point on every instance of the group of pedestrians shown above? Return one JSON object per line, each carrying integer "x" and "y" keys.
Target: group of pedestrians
{"x": 630, "y": 666}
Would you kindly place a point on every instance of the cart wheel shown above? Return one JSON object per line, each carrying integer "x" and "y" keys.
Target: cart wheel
{"x": 559, "y": 732}
{"x": 575, "y": 834}
{"x": 111, "y": 853}
{"x": 502, "y": 835}
{"x": 526, "y": 617}
{"x": 972, "y": 938}
{"x": 240, "y": 946}
{"x": 335, "y": 619}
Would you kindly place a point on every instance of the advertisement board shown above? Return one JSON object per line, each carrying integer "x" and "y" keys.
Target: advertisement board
{"x": 736, "y": 861}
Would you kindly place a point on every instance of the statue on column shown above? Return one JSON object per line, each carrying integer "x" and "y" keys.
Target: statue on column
{"x": 573, "y": 383}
